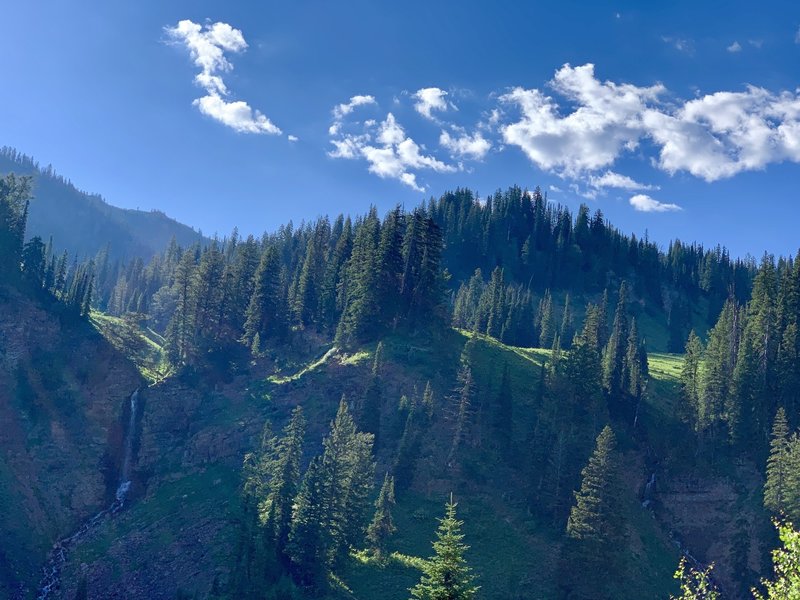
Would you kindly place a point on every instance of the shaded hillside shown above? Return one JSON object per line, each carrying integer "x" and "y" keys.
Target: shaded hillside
{"x": 63, "y": 389}
{"x": 182, "y": 532}
{"x": 84, "y": 223}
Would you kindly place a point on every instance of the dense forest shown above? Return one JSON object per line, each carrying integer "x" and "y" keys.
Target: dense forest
{"x": 513, "y": 270}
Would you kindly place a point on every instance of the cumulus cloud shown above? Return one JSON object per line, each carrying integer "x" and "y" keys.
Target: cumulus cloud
{"x": 607, "y": 121}
{"x": 463, "y": 145}
{"x": 725, "y": 133}
{"x": 644, "y": 203}
{"x": 388, "y": 150}
{"x": 429, "y": 100}
{"x": 734, "y": 47}
{"x": 207, "y": 45}
{"x": 712, "y": 137}
{"x": 292, "y": 138}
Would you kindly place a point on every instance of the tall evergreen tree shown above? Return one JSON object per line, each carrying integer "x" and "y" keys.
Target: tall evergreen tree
{"x": 276, "y": 507}
{"x": 266, "y": 310}
{"x": 775, "y": 487}
{"x": 614, "y": 353}
{"x": 503, "y": 417}
{"x": 307, "y": 545}
{"x": 595, "y": 530}
{"x": 689, "y": 400}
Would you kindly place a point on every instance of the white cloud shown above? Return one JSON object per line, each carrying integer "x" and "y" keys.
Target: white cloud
{"x": 644, "y": 203}
{"x": 734, "y": 47}
{"x": 207, "y": 46}
{"x": 237, "y": 115}
{"x": 712, "y": 137}
{"x": 722, "y": 134}
{"x": 389, "y": 151}
{"x": 292, "y": 138}
{"x": 797, "y": 36}
{"x": 430, "y": 99}
{"x": 606, "y": 122}
{"x": 463, "y": 145}
{"x": 610, "y": 179}
{"x": 344, "y": 109}
{"x": 555, "y": 188}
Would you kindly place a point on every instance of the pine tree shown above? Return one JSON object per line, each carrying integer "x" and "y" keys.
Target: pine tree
{"x": 689, "y": 399}
{"x": 775, "y": 487}
{"x": 359, "y": 319}
{"x": 503, "y": 414}
{"x": 741, "y": 402}
{"x": 276, "y": 508}
{"x": 265, "y": 313}
{"x": 719, "y": 356}
{"x": 595, "y": 531}
{"x": 567, "y": 326}
{"x": 547, "y": 327}
{"x": 382, "y": 526}
{"x": 307, "y": 546}
{"x": 14, "y": 198}
{"x": 447, "y": 576}
{"x": 348, "y": 471}
{"x": 463, "y": 401}
{"x": 614, "y": 353}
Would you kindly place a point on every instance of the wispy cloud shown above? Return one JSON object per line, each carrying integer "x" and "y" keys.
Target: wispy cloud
{"x": 644, "y": 203}
{"x": 680, "y": 44}
{"x": 207, "y": 45}
{"x": 797, "y": 35}
{"x": 610, "y": 179}
{"x": 734, "y": 48}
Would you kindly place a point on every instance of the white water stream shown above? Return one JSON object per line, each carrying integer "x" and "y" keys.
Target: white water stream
{"x": 50, "y": 583}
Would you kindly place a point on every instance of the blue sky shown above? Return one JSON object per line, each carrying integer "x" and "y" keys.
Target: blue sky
{"x": 682, "y": 120}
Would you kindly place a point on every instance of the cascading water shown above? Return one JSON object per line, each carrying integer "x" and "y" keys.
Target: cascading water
{"x": 125, "y": 473}
{"x": 51, "y": 577}
{"x": 649, "y": 490}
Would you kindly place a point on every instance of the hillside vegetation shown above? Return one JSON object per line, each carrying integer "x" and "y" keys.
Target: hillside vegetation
{"x": 590, "y": 406}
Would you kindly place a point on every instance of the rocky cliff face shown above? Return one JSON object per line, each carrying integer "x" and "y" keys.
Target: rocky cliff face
{"x": 62, "y": 392}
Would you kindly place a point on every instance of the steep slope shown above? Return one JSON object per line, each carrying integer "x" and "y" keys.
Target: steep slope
{"x": 180, "y": 535}
{"x": 83, "y": 223}
{"x": 63, "y": 390}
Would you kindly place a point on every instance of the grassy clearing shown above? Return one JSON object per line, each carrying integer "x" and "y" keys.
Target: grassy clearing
{"x": 141, "y": 344}
{"x": 316, "y": 364}
{"x": 511, "y": 558}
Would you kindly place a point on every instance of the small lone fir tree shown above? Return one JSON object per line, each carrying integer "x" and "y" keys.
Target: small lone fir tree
{"x": 382, "y": 525}
{"x": 447, "y": 576}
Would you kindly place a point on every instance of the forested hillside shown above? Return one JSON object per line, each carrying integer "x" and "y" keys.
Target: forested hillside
{"x": 591, "y": 406}
{"x": 84, "y": 224}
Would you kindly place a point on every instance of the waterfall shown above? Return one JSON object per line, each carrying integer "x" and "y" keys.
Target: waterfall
{"x": 125, "y": 472}
{"x": 649, "y": 490}
{"x": 51, "y": 572}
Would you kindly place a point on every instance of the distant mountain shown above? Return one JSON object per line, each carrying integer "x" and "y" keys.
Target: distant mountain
{"x": 83, "y": 223}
